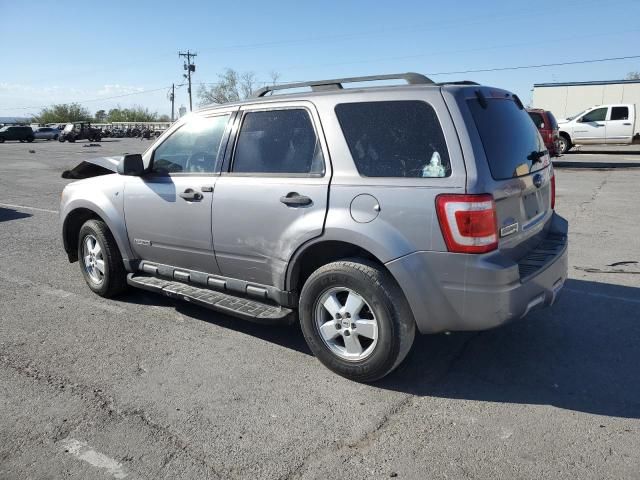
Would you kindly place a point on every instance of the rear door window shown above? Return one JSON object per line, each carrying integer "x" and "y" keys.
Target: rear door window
{"x": 511, "y": 141}
{"x": 395, "y": 139}
{"x": 620, "y": 113}
{"x": 281, "y": 142}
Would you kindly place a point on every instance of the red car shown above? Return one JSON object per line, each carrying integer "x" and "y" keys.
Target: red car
{"x": 548, "y": 126}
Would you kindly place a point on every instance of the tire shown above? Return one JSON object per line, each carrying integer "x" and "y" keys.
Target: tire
{"x": 384, "y": 346}
{"x": 61, "y": 139}
{"x": 55, "y": 137}
{"x": 564, "y": 144}
{"x": 30, "y": 139}
{"x": 113, "y": 280}
{"x": 1, "y": 140}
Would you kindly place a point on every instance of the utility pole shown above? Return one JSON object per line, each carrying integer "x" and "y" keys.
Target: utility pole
{"x": 172, "y": 97}
{"x": 189, "y": 67}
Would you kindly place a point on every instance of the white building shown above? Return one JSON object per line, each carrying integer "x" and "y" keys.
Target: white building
{"x": 566, "y": 99}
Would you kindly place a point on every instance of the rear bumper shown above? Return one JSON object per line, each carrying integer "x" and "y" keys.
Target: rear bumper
{"x": 448, "y": 291}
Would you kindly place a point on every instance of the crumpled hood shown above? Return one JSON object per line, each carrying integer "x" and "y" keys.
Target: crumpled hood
{"x": 93, "y": 167}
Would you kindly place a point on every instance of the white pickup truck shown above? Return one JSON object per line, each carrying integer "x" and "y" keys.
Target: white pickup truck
{"x": 602, "y": 124}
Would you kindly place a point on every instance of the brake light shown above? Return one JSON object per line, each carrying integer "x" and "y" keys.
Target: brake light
{"x": 468, "y": 222}
{"x": 553, "y": 191}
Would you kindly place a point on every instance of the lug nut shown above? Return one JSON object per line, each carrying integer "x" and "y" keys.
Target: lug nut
{"x": 348, "y": 315}
{"x": 353, "y": 325}
{"x": 347, "y": 333}
{"x": 338, "y": 326}
{"x": 338, "y": 316}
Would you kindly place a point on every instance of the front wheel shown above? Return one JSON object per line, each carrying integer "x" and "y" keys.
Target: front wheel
{"x": 564, "y": 145}
{"x": 61, "y": 139}
{"x": 100, "y": 259}
{"x": 356, "y": 320}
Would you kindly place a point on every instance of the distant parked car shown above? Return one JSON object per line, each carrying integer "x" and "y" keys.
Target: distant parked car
{"x": 46, "y": 133}
{"x": 14, "y": 132}
{"x": 548, "y": 127}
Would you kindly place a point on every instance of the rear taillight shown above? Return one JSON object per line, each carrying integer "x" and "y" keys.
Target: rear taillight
{"x": 553, "y": 191}
{"x": 468, "y": 222}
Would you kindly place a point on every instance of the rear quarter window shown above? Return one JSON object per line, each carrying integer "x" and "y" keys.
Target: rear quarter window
{"x": 394, "y": 139}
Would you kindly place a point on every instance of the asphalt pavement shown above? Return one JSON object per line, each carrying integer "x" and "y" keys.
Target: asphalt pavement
{"x": 145, "y": 387}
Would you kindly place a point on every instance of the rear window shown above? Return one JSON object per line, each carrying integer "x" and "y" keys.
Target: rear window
{"x": 509, "y": 137}
{"x": 553, "y": 121}
{"x": 394, "y": 139}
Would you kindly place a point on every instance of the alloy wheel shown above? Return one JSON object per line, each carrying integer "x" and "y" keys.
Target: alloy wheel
{"x": 346, "y": 323}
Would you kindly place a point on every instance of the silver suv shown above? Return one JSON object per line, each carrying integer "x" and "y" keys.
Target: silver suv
{"x": 363, "y": 213}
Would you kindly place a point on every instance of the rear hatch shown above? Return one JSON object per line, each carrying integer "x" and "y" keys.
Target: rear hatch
{"x": 512, "y": 164}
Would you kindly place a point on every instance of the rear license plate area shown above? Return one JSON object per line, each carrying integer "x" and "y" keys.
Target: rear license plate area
{"x": 531, "y": 205}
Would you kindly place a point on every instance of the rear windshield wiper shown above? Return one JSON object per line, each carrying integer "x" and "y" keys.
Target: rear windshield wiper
{"x": 535, "y": 157}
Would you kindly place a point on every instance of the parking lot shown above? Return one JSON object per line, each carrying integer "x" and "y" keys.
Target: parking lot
{"x": 144, "y": 387}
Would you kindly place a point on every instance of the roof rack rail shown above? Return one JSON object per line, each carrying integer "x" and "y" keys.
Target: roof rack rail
{"x": 459, "y": 82}
{"x": 336, "y": 84}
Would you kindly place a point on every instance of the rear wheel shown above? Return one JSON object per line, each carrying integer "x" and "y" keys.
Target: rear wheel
{"x": 1, "y": 140}
{"x": 564, "y": 144}
{"x": 30, "y": 139}
{"x": 61, "y": 139}
{"x": 100, "y": 259}
{"x": 356, "y": 320}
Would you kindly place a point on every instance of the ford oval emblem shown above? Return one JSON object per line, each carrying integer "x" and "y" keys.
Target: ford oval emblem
{"x": 537, "y": 180}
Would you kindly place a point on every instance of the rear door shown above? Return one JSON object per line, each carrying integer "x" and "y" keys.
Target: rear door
{"x": 519, "y": 173}
{"x": 591, "y": 127}
{"x": 620, "y": 124}
{"x": 272, "y": 194}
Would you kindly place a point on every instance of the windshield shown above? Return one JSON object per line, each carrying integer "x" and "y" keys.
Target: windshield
{"x": 576, "y": 115}
{"x": 4, "y": 129}
{"x": 68, "y": 127}
{"x": 511, "y": 141}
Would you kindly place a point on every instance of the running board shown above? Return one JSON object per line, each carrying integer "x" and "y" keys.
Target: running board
{"x": 252, "y": 310}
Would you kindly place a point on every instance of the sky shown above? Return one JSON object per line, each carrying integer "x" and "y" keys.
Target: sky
{"x": 66, "y": 52}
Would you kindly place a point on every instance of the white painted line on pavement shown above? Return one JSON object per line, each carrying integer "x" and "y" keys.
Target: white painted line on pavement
{"x": 87, "y": 454}
{"x": 603, "y": 295}
{"x": 24, "y": 207}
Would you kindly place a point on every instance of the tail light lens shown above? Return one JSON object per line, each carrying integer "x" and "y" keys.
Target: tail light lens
{"x": 553, "y": 191}
{"x": 468, "y": 222}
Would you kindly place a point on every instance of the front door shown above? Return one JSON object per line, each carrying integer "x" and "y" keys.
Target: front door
{"x": 168, "y": 210}
{"x": 619, "y": 125}
{"x": 591, "y": 127}
{"x": 272, "y": 195}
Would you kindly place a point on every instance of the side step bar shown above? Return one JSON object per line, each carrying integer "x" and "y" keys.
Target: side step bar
{"x": 252, "y": 310}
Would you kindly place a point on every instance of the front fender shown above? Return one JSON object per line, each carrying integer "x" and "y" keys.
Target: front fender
{"x": 103, "y": 196}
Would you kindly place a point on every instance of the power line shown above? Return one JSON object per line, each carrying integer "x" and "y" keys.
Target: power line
{"x": 99, "y": 99}
{"x": 542, "y": 65}
{"x": 458, "y": 72}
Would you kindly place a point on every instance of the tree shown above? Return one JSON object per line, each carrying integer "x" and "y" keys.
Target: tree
{"x": 63, "y": 112}
{"x": 633, "y": 76}
{"x": 134, "y": 114}
{"x": 101, "y": 116}
{"x": 164, "y": 118}
{"x": 231, "y": 87}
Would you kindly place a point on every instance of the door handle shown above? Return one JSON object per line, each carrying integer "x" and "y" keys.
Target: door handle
{"x": 191, "y": 196}
{"x": 294, "y": 199}
{"x": 626, "y": 123}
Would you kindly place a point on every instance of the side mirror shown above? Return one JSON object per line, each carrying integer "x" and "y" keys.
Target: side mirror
{"x": 131, "y": 164}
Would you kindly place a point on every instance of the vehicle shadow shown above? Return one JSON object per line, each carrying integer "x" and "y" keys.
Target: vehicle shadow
{"x": 7, "y": 214}
{"x": 582, "y": 354}
{"x": 286, "y": 336}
